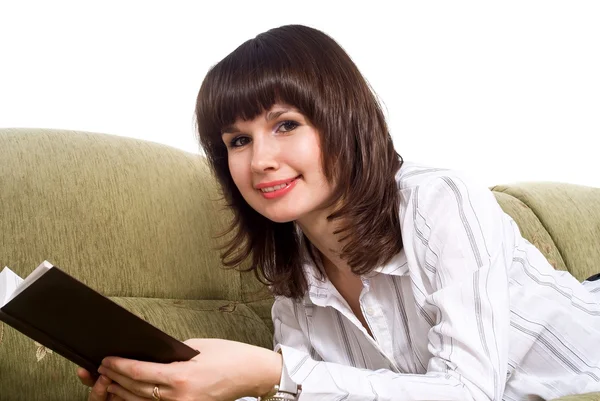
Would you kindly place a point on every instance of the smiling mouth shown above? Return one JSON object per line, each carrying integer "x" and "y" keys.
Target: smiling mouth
{"x": 279, "y": 186}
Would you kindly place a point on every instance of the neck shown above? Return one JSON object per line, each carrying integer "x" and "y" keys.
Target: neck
{"x": 319, "y": 232}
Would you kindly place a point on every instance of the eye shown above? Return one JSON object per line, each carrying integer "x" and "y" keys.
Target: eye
{"x": 239, "y": 141}
{"x": 287, "y": 126}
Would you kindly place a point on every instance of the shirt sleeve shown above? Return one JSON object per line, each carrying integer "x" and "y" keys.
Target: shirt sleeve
{"x": 462, "y": 243}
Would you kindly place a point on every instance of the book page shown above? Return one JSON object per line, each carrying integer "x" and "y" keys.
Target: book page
{"x": 9, "y": 281}
{"x": 15, "y": 284}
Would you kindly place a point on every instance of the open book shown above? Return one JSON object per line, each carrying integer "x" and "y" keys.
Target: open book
{"x": 65, "y": 315}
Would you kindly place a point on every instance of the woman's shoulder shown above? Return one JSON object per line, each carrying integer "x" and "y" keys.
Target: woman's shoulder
{"x": 412, "y": 175}
{"x": 437, "y": 187}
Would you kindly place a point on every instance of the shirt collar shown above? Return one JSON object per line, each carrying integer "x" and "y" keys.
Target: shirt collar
{"x": 323, "y": 292}
{"x": 397, "y": 266}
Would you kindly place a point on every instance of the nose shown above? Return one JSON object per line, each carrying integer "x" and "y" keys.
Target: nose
{"x": 264, "y": 155}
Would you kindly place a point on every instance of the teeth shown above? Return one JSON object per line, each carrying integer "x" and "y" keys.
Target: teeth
{"x": 275, "y": 188}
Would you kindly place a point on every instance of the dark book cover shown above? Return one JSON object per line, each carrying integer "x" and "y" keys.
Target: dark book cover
{"x": 84, "y": 326}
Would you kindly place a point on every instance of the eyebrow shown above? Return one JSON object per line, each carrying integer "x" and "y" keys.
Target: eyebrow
{"x": 272, "y": 115}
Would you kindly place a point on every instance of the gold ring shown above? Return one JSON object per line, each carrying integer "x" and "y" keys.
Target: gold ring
{"x": 156, "y": 393}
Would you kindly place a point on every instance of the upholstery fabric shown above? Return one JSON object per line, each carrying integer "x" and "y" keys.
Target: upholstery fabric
{"x": 531, "y": 228}
{"x": 571, "y": 216}
{"x": 129, "y": 217}
{"x": 587, "y": 397}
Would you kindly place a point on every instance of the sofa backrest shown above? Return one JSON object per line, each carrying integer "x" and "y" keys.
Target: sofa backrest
{"x": 568, "y": 232}
{"x": 128, "y": 217}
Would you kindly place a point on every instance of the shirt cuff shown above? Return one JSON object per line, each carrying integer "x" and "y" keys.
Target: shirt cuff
{"x": 287, "y": 384}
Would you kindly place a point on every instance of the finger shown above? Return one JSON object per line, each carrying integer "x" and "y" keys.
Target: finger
{"x": 99, "y": 390}
{"x": 133, "y": 386}
{"x": 86, "y": 377}
{"x": 123, "y": 393}
{"x": 148, "y": 372}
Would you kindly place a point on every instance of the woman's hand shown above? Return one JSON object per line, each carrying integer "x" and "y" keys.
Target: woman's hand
{"x": 223, "y": 371}
{"x": 98, "y": 388}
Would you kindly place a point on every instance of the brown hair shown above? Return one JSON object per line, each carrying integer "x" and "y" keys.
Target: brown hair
{"x": 304, "y": 68}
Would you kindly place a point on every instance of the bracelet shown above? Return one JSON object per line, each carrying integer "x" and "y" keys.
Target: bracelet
{"x": 276, "y": 395}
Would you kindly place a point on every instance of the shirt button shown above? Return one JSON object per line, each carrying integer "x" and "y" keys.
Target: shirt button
{"x": 370, "y": 311}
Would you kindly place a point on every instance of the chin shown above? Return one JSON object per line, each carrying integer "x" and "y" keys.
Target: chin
{"x": 280, "y": 217}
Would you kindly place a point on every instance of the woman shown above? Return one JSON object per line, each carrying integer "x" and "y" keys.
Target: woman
{"x": 392, "y": 280}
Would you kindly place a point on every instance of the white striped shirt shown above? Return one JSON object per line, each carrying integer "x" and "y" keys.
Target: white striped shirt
{"x": 468, "y": 310}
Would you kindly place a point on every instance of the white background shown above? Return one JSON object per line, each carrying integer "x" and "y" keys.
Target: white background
{"x": 507, "y": 90}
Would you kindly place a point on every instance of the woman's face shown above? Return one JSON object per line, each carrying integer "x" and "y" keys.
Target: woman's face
{"x": 275, "y": 162}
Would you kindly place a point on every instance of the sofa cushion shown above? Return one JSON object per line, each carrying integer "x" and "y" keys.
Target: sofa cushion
{"x": 531, "y": 228}
{"x": 52, "y": 377}
{"x": 582, "y": 397}
{"x": 571, "y": 215}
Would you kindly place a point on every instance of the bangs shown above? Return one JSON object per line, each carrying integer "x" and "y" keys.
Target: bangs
{"x": 250, "y": 81}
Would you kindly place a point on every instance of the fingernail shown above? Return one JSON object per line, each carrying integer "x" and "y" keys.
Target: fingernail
{"x": 104, "y": 379}
{"x": 101, "y": 370}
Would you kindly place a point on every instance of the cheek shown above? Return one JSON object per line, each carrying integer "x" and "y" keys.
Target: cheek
{"x": 237, "y": 174}
{"x": 307, "y": 153}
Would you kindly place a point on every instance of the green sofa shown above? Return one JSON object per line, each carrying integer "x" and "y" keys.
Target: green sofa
{"x": 138, "y": 222}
